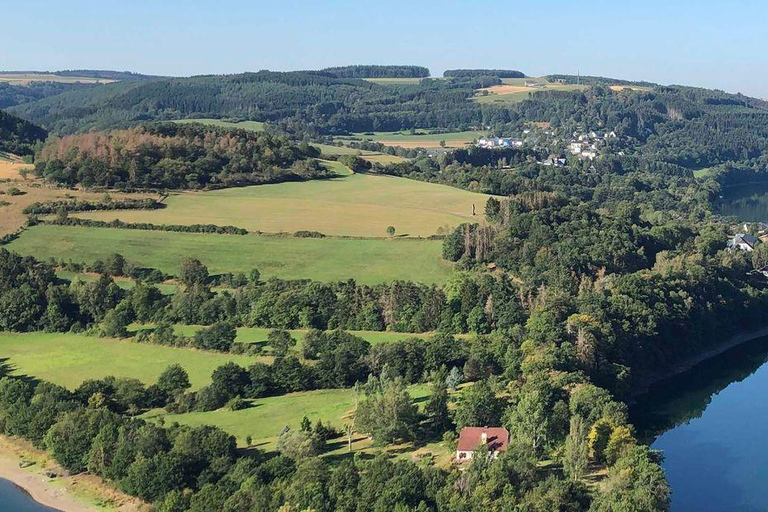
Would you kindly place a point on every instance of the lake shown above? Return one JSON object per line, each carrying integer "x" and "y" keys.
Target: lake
{"x": 747, "y": 202}
{"x": 14, "y": 499}
{"x": 711, "y": 424}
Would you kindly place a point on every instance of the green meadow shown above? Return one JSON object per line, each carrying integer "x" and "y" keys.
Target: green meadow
{"x": 422, "y": 138}
{"x": 368, "y": 261}
{"x": 356, "y": 205}
{"x": 255, "y": 126}
{"x": 69, "y": 359}
{"x": 267, "y": 417}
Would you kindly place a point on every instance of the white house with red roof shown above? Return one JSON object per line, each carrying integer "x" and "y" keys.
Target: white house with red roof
{"x": 471, "y": 438}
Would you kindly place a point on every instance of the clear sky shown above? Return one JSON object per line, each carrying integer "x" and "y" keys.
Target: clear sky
{"x": 719, "y": 44}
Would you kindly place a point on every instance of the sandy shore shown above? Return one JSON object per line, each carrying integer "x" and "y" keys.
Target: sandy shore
{"x": 58, "y": 493}
{"x": 685, "y": 365}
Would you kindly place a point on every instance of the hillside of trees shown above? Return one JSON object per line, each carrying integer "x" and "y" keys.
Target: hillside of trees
{"x": 298, "y": 101}
{"x": 500, "y": 73}
{"x": 18, "y": 136}
{"x": 370, "y": 71}
{"x": 175, "y": 156}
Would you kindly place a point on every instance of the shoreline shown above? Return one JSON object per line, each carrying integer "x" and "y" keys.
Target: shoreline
{"x": 687, "y": 364}
{"x": 60, "y": 493}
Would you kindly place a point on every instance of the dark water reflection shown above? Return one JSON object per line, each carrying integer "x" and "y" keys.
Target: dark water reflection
{"x": 711, "y": 424}
{"x": 747, "y": 202}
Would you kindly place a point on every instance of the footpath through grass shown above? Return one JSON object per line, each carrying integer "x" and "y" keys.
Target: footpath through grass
{"x": 328, "y": 259}
{"x": 69, "y": 359}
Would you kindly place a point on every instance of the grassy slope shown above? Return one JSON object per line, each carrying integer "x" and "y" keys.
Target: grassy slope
{"x": 330, "y": 259}
{"x": 357, "y": 205}
{"x": 255, "y": 126}
{"x": 425, "y": 140}
{"x": 69, "y": 359}
{"x": 266, "y": 418}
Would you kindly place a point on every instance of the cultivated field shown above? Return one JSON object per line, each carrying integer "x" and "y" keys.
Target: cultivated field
{"x": 69, "y": 359}
{"x": 330, "y": 259}
{"x": 11, "y": 167}
{"x": 357, "y": 205}
{"x": 254, "y": 126}
{"x": 426, "y": 140}
{"x": 371, "y": 156}
{"x": 514, "y": 90}
{"x": 26, "y": 78}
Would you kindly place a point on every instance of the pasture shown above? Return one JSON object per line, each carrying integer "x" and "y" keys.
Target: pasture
{"x": 422, "y": 139}
{"x": 371, "y": 156}
{"x": 357, "y": 205}
{"x": 394, "y": 81}
{"x": 266, "y": 417}
{"x": 330, "y": 259}
{"x": 255, "y": 126}
{"x": 69, "y": 359}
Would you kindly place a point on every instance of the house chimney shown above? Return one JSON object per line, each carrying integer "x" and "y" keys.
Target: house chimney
{"x": 484, "y": 437}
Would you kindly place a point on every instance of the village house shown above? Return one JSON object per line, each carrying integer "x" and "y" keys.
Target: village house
{"x": 471, "y": 438}
{"x": 499, "y": 142}
{"x": 743, "y": 242}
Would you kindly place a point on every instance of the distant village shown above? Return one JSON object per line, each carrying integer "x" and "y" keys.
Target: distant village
{"x": 585, "y": 146}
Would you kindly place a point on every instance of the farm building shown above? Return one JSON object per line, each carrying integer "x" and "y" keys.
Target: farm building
{"x": 471, "y": 438}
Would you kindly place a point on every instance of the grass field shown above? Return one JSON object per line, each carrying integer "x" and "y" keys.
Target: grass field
{"x": 255, "y": 126}
{"x": 259, "y": 335}
{"x": 422, "y": 139}
{"x": 329, "y": 259}
{"x": 394, "y": 81}
{"x": 357, "y": 205}
{"x": 514, "y": 90}
{"x": 69, "y": 359}
{"x": 26, "y": 78}
{"x": 266, "y": 418}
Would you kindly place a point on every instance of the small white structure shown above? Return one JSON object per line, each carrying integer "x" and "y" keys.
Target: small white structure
{"x": 743, "y": 242}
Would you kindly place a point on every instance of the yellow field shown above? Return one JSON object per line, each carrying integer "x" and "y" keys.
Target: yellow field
{"x": 27, "y": 78}
{"x": 356, "y": 205}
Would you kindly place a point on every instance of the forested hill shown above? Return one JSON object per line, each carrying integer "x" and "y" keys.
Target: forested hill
{"x": 175, "y": 156}
{"x": 501, "y": 73}
{"x": 306, "y": 99}
{"x": 18, "y": 136}
{"x": 369, "y": 71}
{"x": 688, "y": 128}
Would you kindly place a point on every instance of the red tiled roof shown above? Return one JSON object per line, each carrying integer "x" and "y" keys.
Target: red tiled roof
{"x": 471, "y": 437}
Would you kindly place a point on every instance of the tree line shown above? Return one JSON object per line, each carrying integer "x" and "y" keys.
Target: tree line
{"x": 175, "y": 156}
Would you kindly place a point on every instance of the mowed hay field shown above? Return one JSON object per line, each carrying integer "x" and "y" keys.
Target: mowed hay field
{"x": 514, "y": 90}
{"x": 69, "y": 359}
{"x": 356, "y": 205}
{"x": 330, "y": 259}
{"x": 424, "y": 140}
{"x": 12, "y": 216}
{"x": 27, "y": 78}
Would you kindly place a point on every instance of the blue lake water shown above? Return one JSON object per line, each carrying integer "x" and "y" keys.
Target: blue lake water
{"x": 711, "y": 424}
{"x": 13, "y": 499}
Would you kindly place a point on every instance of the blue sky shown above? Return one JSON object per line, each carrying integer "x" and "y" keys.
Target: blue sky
{"x": 707, "y": 43}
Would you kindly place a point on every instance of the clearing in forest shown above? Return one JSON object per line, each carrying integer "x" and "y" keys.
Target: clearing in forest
{"x": 358, "y": 205}
{"x": 368, "y": 261}
{"x": 69, "y": 359}
{"x": 422, "y": 139}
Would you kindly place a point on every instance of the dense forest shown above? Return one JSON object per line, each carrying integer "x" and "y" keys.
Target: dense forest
{"x": 500, "y": 73}
{"x": 175, "y": 156}
{"x": 300, "y": 101}
{"x": 378, "y": 71}
{"x": 18, "y": 136}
